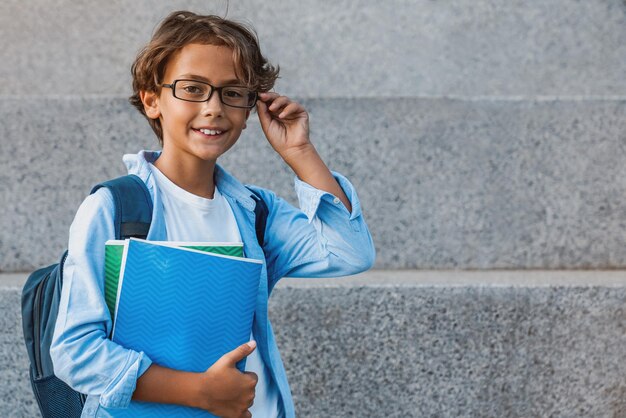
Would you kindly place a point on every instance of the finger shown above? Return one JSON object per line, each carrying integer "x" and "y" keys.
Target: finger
{"x": 279, "y": 103}
{"x": 253, "y": 376}
{"x": 264, "y": 115}
{"x": 262, "y": 110}
{"x": 291, "y": 109}
{"x": 250, "y": 400}
{"x": 268, "y": 96}
{"x": 240, "y": 352}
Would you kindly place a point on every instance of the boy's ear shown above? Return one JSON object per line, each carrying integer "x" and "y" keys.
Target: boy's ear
{"x": 150, "y": 102}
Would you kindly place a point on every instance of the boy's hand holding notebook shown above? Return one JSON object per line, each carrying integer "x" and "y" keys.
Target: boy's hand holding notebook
{"x": 184, "y": 308}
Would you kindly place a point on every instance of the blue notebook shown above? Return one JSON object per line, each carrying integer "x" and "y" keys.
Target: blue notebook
{"x": 185, "y": 309}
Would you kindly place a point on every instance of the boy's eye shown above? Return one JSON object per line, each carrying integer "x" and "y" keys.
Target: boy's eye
{"x": 194, "y": 89}
{"x": 235, "y": 93}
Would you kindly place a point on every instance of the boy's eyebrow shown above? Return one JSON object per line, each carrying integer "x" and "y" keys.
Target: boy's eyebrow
{"x": 233, "y": 81}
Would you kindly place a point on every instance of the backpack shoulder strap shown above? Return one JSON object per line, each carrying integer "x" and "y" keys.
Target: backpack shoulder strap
{"x": 261, "y": 212}
{"x": 133, "y": 206}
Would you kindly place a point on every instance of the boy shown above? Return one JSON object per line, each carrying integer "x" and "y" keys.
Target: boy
{"x": 196, "y": 82}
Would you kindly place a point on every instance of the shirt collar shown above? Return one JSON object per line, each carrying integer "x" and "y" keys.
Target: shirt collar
{"x": 228, "y": 185}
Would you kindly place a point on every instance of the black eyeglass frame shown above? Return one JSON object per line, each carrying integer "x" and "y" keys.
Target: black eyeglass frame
{"x": 213, "y": 89}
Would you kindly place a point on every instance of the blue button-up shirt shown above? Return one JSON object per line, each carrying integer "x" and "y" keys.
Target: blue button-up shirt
{"x": 321, "y": 239}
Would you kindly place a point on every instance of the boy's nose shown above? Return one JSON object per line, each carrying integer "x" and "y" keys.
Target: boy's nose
{"x": 213, "y": 106}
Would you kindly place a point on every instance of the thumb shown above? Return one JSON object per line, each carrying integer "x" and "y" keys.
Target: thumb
{"x": 240, "y": 352}
{"x": 264, "y": 114}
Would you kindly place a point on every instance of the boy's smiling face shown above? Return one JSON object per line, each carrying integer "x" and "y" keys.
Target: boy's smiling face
{"x": 204, "y": 130}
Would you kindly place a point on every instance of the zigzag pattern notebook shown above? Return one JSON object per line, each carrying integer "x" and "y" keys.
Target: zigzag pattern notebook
{"x": 185, "y": 309}
{"x": 114, "y": 250}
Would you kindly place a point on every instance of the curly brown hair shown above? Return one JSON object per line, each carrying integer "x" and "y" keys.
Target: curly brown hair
{"x": 181, "y": 28}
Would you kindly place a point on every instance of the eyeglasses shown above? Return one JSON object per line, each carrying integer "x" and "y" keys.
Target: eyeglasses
{"x": 199, "y": 91}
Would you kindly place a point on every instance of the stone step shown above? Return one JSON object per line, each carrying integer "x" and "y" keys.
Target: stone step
{"x": 444, "y": 183}
{"x": 425, "y": 343}
{"x": 341, "y": 49}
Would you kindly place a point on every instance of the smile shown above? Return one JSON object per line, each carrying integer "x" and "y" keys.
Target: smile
{"x": 210, "y": 131}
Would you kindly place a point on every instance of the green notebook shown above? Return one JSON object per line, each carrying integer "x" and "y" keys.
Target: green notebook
{"x": 114, "y": 249}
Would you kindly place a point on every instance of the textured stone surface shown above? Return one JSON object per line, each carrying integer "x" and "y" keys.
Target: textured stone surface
{"x": 493, "y": 345}
{"x": 444, "y": 183}
{"x": 453, "y": 352}
{"x": 337, "y": 49}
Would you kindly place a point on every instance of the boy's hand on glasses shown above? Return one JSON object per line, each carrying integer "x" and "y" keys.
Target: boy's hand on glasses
{"x": 225, "y": 391}
{"x": 285, "y": 124}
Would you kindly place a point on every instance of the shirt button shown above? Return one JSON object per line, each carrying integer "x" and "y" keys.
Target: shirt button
{"x": 336, "y": 201}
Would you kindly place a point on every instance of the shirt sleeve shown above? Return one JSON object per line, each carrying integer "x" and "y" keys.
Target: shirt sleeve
{"x": 321, "y": 239}
{"x": 82, "y": 355}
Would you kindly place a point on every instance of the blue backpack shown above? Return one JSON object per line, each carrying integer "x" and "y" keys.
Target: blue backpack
{"x": 42, "y": 292}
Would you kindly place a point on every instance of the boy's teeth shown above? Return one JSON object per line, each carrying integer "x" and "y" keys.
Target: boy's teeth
{"x": 210, "y": 132}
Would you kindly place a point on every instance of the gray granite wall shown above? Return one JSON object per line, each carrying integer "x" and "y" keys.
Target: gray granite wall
{"x": 429, "y": 344}
{"x": 480, "y": 134}
{"x": 351, "y": 48}
{"x": 444, "y": 183}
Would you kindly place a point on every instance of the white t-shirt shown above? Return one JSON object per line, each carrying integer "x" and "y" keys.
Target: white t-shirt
{"x": 193, "y": 218}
